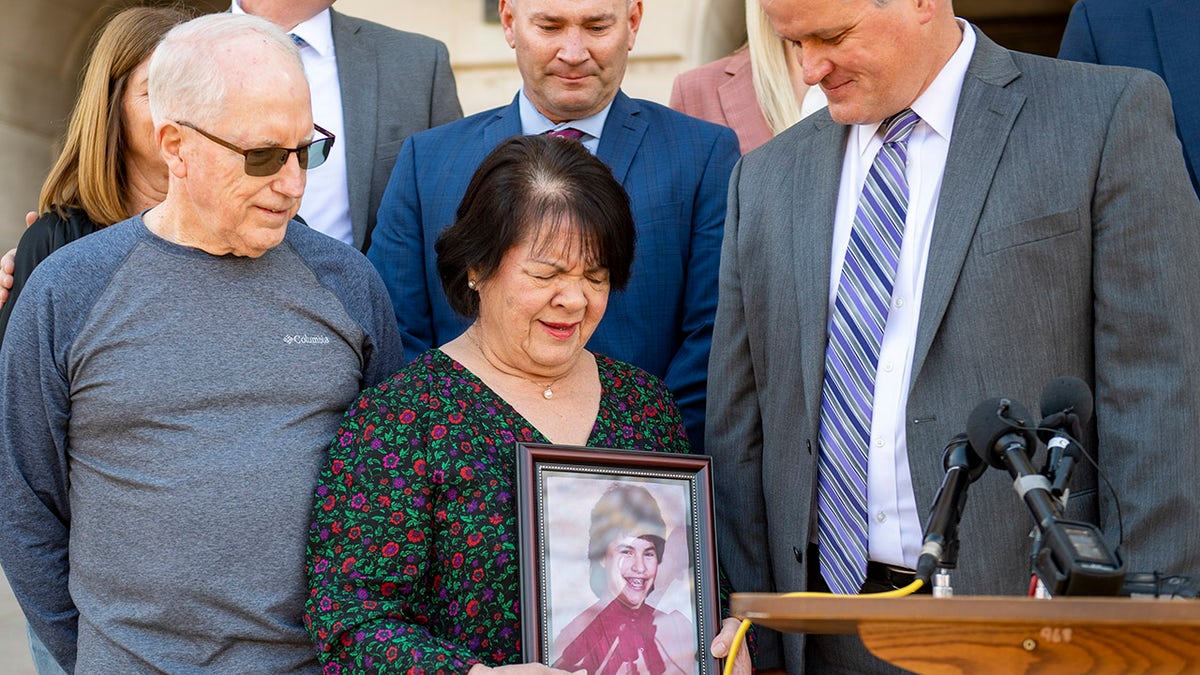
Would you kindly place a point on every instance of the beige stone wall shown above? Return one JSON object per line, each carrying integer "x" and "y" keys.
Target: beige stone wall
{"x": 35, "y": 91}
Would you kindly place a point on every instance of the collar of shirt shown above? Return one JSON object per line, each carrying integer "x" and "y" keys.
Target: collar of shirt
{"x": 534, "y": 122}
{"x": 938, "y": 103}
{"x": 316, "y": 31}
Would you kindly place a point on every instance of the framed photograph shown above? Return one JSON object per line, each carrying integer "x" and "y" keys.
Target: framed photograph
{"x": 618, "y": 560}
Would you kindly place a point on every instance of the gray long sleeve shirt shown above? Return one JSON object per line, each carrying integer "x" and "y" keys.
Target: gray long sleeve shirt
{"x": 166, "y": 412}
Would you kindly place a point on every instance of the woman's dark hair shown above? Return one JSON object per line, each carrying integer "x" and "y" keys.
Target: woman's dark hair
{"x": 526, "y": 189}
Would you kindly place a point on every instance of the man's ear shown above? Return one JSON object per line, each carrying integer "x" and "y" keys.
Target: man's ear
{"x": 506, "y": 22}
{"x": 635, "y": 22}
{"x": 927, "y": 9}
{"x": 169, "y": 137}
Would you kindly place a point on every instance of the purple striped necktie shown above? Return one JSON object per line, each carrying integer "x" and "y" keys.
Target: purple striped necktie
{"x": 856, "y": 326}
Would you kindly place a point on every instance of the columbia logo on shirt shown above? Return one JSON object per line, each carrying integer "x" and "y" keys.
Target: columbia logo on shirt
{"x": 306, "y": 339}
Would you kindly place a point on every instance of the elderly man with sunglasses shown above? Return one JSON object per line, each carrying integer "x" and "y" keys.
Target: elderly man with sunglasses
{"x": 171, "y": 384}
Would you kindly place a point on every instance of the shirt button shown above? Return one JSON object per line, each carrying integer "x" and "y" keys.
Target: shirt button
{"x": 887, "y": 366}
{"x": 879, "y": 442}
{"x": 881, "y": 517}
{"x": 899, "y": 302}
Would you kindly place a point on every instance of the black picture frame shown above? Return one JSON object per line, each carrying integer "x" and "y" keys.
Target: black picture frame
{"x": 559, "y": 489}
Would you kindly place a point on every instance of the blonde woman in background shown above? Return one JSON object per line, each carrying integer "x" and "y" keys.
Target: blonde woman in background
{"x": 109, "y": 168}
{"x": 758, "y": 91}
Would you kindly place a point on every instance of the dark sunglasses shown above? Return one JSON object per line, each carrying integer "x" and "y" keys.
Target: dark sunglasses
{"x": 268, "y": 161}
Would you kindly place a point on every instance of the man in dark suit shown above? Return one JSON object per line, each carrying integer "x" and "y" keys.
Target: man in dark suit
{"x": 572, "y": 58}
{"x": 1046, "y": 229}
{"x": 1158, "y": 35}
{"x": 373, "y": 86}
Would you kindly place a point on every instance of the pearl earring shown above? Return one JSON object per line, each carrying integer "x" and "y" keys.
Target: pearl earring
{"x": 471, "y": 284}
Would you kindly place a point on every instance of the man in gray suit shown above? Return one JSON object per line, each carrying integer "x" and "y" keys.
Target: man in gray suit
{"x": 1046, "y": 228}
{"x": 373, "y": 86}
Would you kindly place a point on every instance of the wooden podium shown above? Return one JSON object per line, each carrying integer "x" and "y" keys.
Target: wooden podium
{"x": 984, "y": 634}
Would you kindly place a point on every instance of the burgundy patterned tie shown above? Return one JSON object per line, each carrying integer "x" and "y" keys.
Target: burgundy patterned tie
{"x": 569, "y": 133}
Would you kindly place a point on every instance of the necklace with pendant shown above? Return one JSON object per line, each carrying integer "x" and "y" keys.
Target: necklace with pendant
{"x": 548, "y": 392}
{"x": 547, "y": 389}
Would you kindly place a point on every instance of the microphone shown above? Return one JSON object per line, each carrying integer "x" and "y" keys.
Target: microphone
{"x": 963, "y": 466}
{"x": 999, "y": 429}
{"x": 1074, "y": 558}
{"x": 1066, "y": 408}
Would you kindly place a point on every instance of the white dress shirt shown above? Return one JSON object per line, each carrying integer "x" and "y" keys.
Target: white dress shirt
{"x": 326, "y": 204}
{"x": 894, "y": 527}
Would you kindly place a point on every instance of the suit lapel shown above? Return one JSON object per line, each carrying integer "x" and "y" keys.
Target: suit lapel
{"x": 739, "y": 103}
{"x": 624, "y": 129}
{"x": 983, "y": 121}
{"x": 1175, "y": 25}
{"x": 732, "y": 91}
{"x": 817, "y": 162}
{"x": 504, "y": 125}
{"x": 356, "y": 66}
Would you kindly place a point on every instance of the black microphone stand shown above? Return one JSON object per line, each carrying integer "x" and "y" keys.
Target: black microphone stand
{"x": 1073, "y": 558}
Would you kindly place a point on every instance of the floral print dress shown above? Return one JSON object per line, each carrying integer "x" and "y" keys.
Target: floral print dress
{"x": 413, "y": 552}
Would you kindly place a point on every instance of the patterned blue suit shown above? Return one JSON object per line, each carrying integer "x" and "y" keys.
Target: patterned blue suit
{"x": 676, "y": 170}
{"x": 1162, "y": 36}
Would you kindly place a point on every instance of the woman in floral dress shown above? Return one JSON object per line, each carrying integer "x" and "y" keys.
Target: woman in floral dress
{"x": 413, "y": 552}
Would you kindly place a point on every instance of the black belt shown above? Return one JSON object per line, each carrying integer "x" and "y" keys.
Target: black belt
{"x": 880, "y": 577}
{"x": 890, "y": 576}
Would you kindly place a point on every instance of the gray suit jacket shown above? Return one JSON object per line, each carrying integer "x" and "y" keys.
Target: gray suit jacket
{"x": 1066, "y": 242}
{"x": 394, "y": 84}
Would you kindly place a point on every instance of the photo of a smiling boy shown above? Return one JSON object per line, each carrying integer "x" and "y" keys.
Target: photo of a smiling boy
{"x": 622, "y": 632}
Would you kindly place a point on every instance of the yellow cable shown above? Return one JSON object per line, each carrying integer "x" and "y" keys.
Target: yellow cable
{"x": 745, "y": 626}
{"x": 737, "y": 643}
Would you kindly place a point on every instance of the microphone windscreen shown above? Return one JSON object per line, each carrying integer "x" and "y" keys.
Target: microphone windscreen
{"x": 1067, "y": 394}
{"x": 990, "y": 421}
